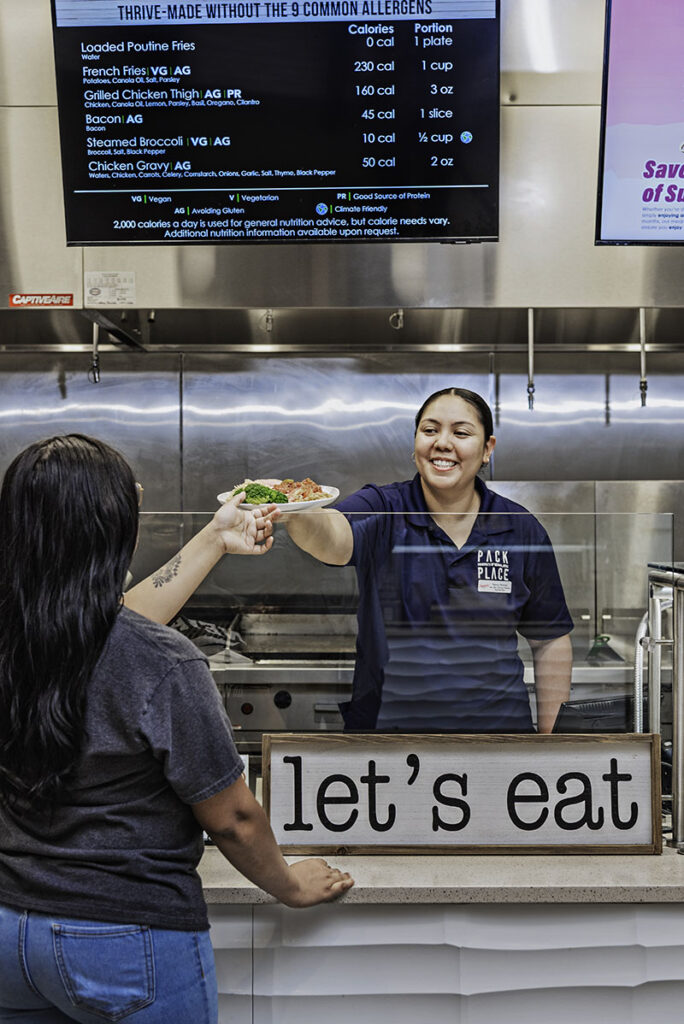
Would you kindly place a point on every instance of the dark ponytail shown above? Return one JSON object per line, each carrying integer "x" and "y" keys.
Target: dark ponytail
{"x": 68, "y": 529}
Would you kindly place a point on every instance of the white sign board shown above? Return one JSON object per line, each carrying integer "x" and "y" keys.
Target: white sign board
{"x": 463, "y": 794}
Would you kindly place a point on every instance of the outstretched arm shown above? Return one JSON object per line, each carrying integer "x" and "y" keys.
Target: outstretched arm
{"x": 232, "y": 530}
{"x": 322, "y": 532}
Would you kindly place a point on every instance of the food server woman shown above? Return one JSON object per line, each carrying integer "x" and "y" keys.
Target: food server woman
{"x": 449, "y": 573}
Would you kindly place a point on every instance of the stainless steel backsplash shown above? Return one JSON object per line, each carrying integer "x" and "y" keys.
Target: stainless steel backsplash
{"x": 193, "y": 426}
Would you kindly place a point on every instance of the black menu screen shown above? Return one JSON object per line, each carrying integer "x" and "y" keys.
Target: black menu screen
{"x": 278, "y": 120}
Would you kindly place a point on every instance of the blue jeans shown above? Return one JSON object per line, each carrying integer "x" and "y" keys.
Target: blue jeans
{"x": 54, "y": 970}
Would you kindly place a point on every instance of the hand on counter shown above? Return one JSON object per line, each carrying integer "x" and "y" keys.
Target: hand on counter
{"x": 316, "y": 883}
{"x": 240, "y": 829}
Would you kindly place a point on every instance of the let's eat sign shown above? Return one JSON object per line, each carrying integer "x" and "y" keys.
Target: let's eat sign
{"x": 369, "y": 793}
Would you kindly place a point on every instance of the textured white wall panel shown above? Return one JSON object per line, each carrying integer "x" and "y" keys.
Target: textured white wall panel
{"x": 521, "y": 964}
{"x": 231, "y": 927}
{"x": 231, "y": 937}
{"x": 234, "y": 1009}
{"x": 571, "y": 1006}
{"x": 373, "y": 970}
{"x": 490, "y": 927}
{"x": 588, "y": 1006}
{"x": 448, "y": 970}
{"x": 351, "y": 1009}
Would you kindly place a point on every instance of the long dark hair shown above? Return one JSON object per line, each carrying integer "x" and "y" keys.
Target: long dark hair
{"x": 68, "y": 529}
{"x": 472, "y": 398}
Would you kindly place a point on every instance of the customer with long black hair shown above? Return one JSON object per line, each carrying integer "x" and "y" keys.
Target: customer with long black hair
{"x": 115, "y": 754}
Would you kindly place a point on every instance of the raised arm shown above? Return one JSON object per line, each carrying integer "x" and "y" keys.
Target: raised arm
{"x": 231, "y": 531}
{"x": 322, "y": 532}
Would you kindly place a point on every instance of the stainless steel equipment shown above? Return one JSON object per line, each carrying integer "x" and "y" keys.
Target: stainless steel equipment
{"x": 288, "y": 671}
{"x": 285, "y": 671}
{"x": 666, "y": 585}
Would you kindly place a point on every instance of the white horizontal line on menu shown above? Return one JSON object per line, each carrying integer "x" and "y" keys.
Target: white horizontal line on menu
{"x": 266, "y": 188}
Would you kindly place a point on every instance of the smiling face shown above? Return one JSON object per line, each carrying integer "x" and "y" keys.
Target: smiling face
{"x": 450, "y": 445}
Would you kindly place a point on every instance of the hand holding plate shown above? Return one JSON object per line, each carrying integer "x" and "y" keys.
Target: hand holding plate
{"x": 241, "y": 531}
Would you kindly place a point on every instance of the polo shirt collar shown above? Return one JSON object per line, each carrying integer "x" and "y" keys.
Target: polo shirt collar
{"x": 417, "y": 509}
{"x": 490, "y": 501}
{"x": 485, "y": 525}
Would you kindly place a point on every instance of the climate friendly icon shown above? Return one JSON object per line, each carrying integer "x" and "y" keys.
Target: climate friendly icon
{"x": 466, "y": 137}
{"x": 321, "y": 209}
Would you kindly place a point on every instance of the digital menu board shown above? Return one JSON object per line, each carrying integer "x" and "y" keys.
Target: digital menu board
{"x": 641, "y": 166}
{"x": 278, "y": 120}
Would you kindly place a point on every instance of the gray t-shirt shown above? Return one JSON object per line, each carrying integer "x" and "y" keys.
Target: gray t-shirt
{"x": 125, "y": 845}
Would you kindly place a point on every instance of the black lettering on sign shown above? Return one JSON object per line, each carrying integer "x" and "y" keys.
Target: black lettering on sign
{"x": 298, "y": 825}
{"x": 413, "y": 761}
{"x": 322, "y": 801}
{"x": 372, "y": 780}
{"x": 450, "y": 801}
{"x": 513, "y": 798}
{"x": 584, "y": 797}
{"x": 614, "y": 778}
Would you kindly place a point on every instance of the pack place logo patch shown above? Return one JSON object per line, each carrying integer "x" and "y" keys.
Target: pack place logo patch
{"x": 493, "y": 571}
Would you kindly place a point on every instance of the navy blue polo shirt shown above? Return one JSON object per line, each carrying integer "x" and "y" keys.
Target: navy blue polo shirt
{"x": 437, "y": 644}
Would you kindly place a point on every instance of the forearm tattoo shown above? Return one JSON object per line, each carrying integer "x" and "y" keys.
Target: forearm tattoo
{"x": 167, "y": 572}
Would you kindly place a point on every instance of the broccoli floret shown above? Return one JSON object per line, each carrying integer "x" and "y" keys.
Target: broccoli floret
{"x": 259, "y": 494}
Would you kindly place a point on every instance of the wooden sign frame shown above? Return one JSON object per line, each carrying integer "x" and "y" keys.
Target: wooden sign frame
{"x": 438, "y": 743}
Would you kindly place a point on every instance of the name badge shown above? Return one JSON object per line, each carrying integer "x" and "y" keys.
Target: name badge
{"x": 494, "y": 586}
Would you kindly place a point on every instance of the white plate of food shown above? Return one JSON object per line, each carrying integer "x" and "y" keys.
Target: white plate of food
{"x": 300, "y": 494}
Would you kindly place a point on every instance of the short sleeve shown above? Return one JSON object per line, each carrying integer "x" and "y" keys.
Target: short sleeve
{"x": 371, "y": 541}
{"x": 366, "y": 500}
{"x": 188, "y": 730}
{"x": 545, "y": 615}
{"x": 360, "y": 509}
